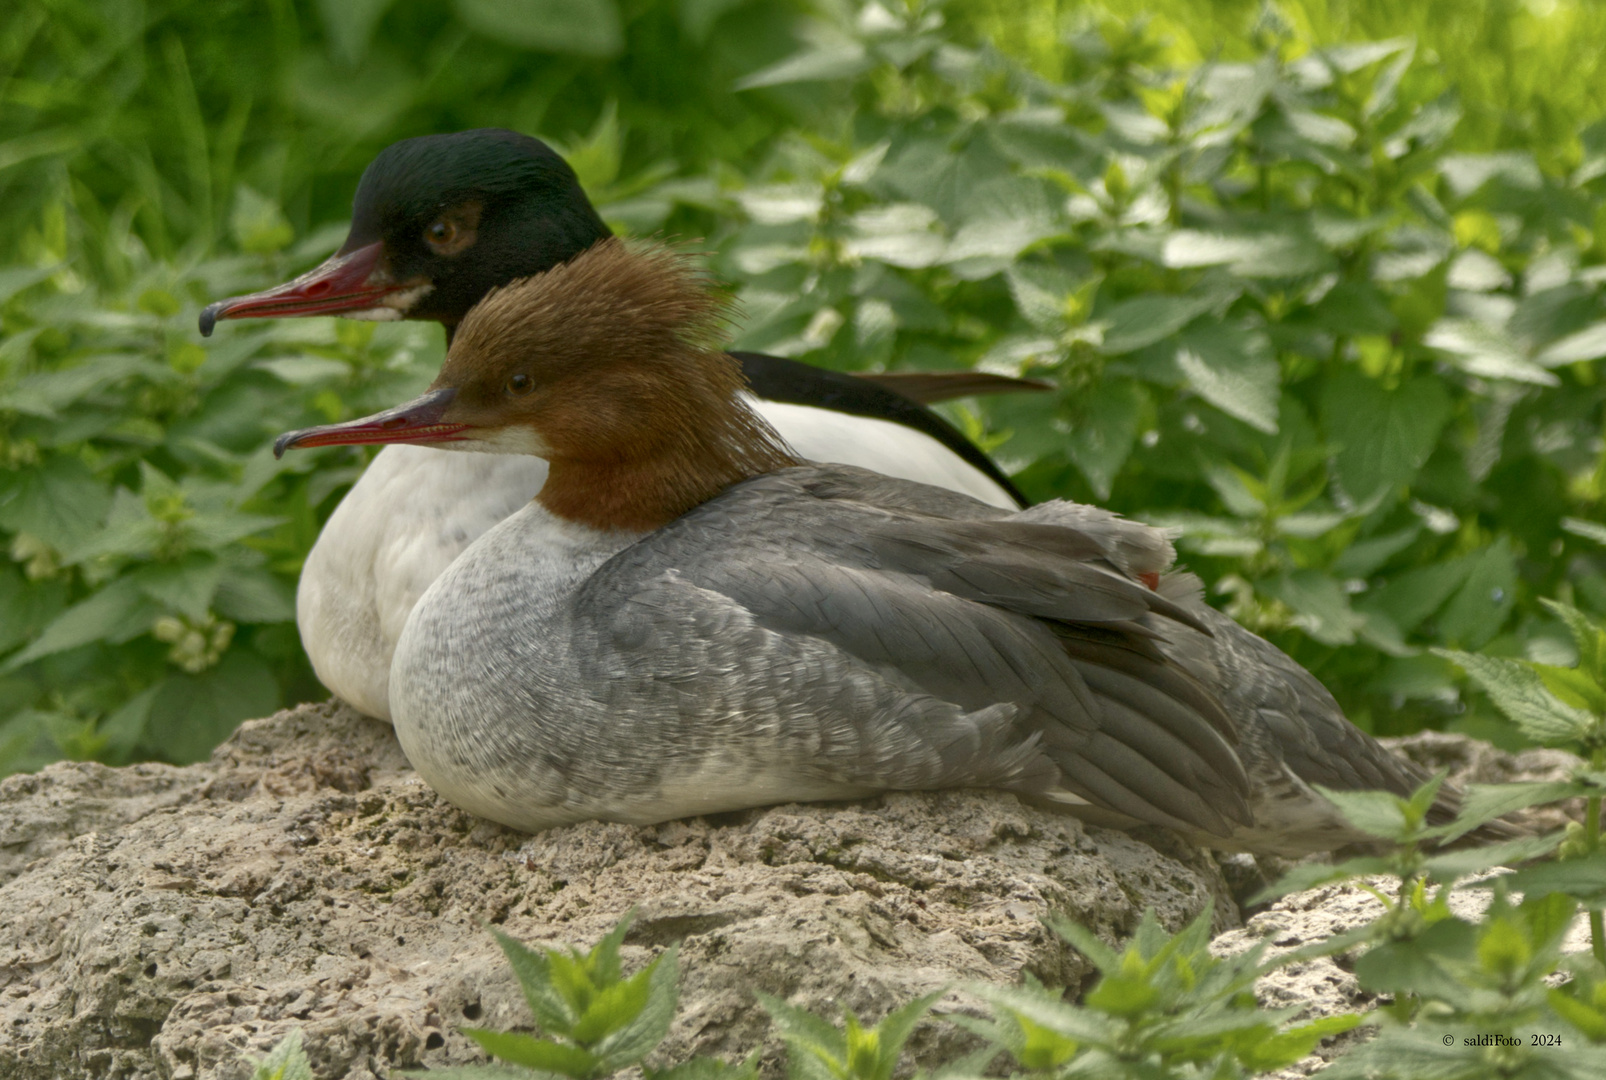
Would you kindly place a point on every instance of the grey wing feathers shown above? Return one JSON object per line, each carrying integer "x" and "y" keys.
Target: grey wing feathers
{"x": 1027, "y": 632}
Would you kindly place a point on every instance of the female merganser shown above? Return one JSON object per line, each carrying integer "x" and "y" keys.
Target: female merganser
{"x": 437, "y": 222}
{"x": 689, "y": 619}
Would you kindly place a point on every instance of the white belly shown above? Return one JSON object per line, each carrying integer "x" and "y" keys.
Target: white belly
{"x": 415, "y": 509}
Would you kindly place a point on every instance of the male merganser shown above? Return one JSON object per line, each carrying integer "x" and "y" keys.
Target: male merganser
{"x": 437, "y": 222}
{"x": 689, "y": 619}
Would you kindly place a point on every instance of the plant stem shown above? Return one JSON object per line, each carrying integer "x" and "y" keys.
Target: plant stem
{"x": 1597, "y": 925}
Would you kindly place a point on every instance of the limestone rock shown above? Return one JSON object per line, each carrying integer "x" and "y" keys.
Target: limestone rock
{"x": 164, "y": 922}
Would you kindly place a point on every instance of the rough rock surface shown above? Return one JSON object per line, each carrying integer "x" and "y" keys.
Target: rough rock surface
{"x": 1326, "y": 986}
{"x": 161, "y": 922}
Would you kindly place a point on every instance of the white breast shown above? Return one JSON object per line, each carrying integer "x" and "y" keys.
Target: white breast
{"x": 415, "y": 509}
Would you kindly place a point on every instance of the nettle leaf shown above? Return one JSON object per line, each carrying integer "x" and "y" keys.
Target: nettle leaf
{"x": 60, "y": 501}
{"x": 115, "y": 614}
{"x": 1041, "y": 291}
{"x": 1321, "y": 606}
{"x": 828, "y": 63}
{"x": 286, "y": 1061}
{"x": 1410, "y": 597}
{"x": 1417, "y": 965}
{"x": 1587, "y": 636}
{"x": 1004, "y": 216}
{"x": 193, "y": 713}
{"x": 1458, "y": 864}
{"x": 1133, "y": 324}
{"x": 1046, "y": 1010}
{"x": 1466, "y": 173}
{"x": 1255, "y": 255}
{"x": 636, "y": 1039}
{"x": 1287, "y": 1047}
{"x": 1481, "y": 606}
{"x": 533, "y": 970}
{"x": 1586, "y": 344}
{"x": 1106, "y": 429}
{"x": 1516, "y": 690}
{"x": 1486, "y": 351}
{"x": 703, "y": 1068}
{"x": 1233, "y": 368}
{"x": 1382, "y": 437}
{"x": 26, "y": 607}
{"x": 249, "y": 594}
{"x": 536, "y": 1053}
{"x": 186, "y": 586}
{"x": 1485, "y": 802}
{"x": 1582, "y": 879}
{"x": 1363, "y": 557}
{"x": 899, "y": 234}
{"x": 1376, "y": 812}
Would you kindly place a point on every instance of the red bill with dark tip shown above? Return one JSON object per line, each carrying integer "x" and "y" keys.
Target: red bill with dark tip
{"x": 418, "y": 421}
{"x": 343, "y": 282}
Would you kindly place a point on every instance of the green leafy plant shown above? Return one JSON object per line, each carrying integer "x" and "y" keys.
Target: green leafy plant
{"x": 286, "y": 1061}
{"x": 819, "y": 1050}
{"x": 597, "y": 1020}
{"x": 1294, "y": 305}
{"x": 1162, "y": 1007}
{"x": 1468, "y": 997}
{"x": 1555, "y": 706}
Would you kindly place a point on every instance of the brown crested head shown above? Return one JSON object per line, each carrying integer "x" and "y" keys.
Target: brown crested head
{"x": 608, "y": 366}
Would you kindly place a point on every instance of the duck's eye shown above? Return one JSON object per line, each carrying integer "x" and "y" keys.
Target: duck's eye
{"x": 520, "y": 384}
{"x": 441, "y": 233}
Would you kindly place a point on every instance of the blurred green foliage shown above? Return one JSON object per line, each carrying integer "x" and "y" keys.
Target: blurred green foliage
{"x": 1334, "y": 310}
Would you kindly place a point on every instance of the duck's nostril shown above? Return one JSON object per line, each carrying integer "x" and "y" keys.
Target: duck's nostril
{"x": 317, "y": 288}
{"x": 393, "y": 423}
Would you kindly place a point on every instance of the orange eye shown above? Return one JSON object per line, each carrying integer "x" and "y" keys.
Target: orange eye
{"x": 520, "y": 385}
{"x": 441, "y": 233}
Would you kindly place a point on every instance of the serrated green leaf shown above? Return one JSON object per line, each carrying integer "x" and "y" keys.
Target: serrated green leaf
{"x": 1486, "y": 351}
{"x": 1321, "y": 606}
{"x": 1515, "y": 688}
{"x": 1256, "y": 255}
{"x": 1382, "y": 437}
{"x": 535, "y": 1053}
{"x": 1287, "y": 1047}
{"x": 1485, "y": 802}
{"x": 193, "y": 713}
{"x": 114, "y": 614}
{"x": 1481, "y": 606}
{"x": 1047, "y": 1010}
{"x": 1413, "y": 595}
{"x": 186, "y": 585}
{"x": 60, "y": 502}
{"x": 1105, "y": 432}
{"x": 1312, "y": 875}
{"x": 1378, "y": 813}
{"x": 1573, "y": 687}
{"x": 1582, "y": 879}
{"x": 1417, "y": 965}
{"x": 1086, "y": 942}
{"x": 248, "y": 594}
{"x": 705, "y": 1068}
{"x": 827, "y": 63}
{"x": 286, "y": 1061}
{"x": 1459, "y": 864}
{"x": 1587, "y": 636}
{"x": 640, "y": 1036}
{"x": 532, "y": 969}
{"x": 1133, "y": 324}
{"x": 1232, "y": 368}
